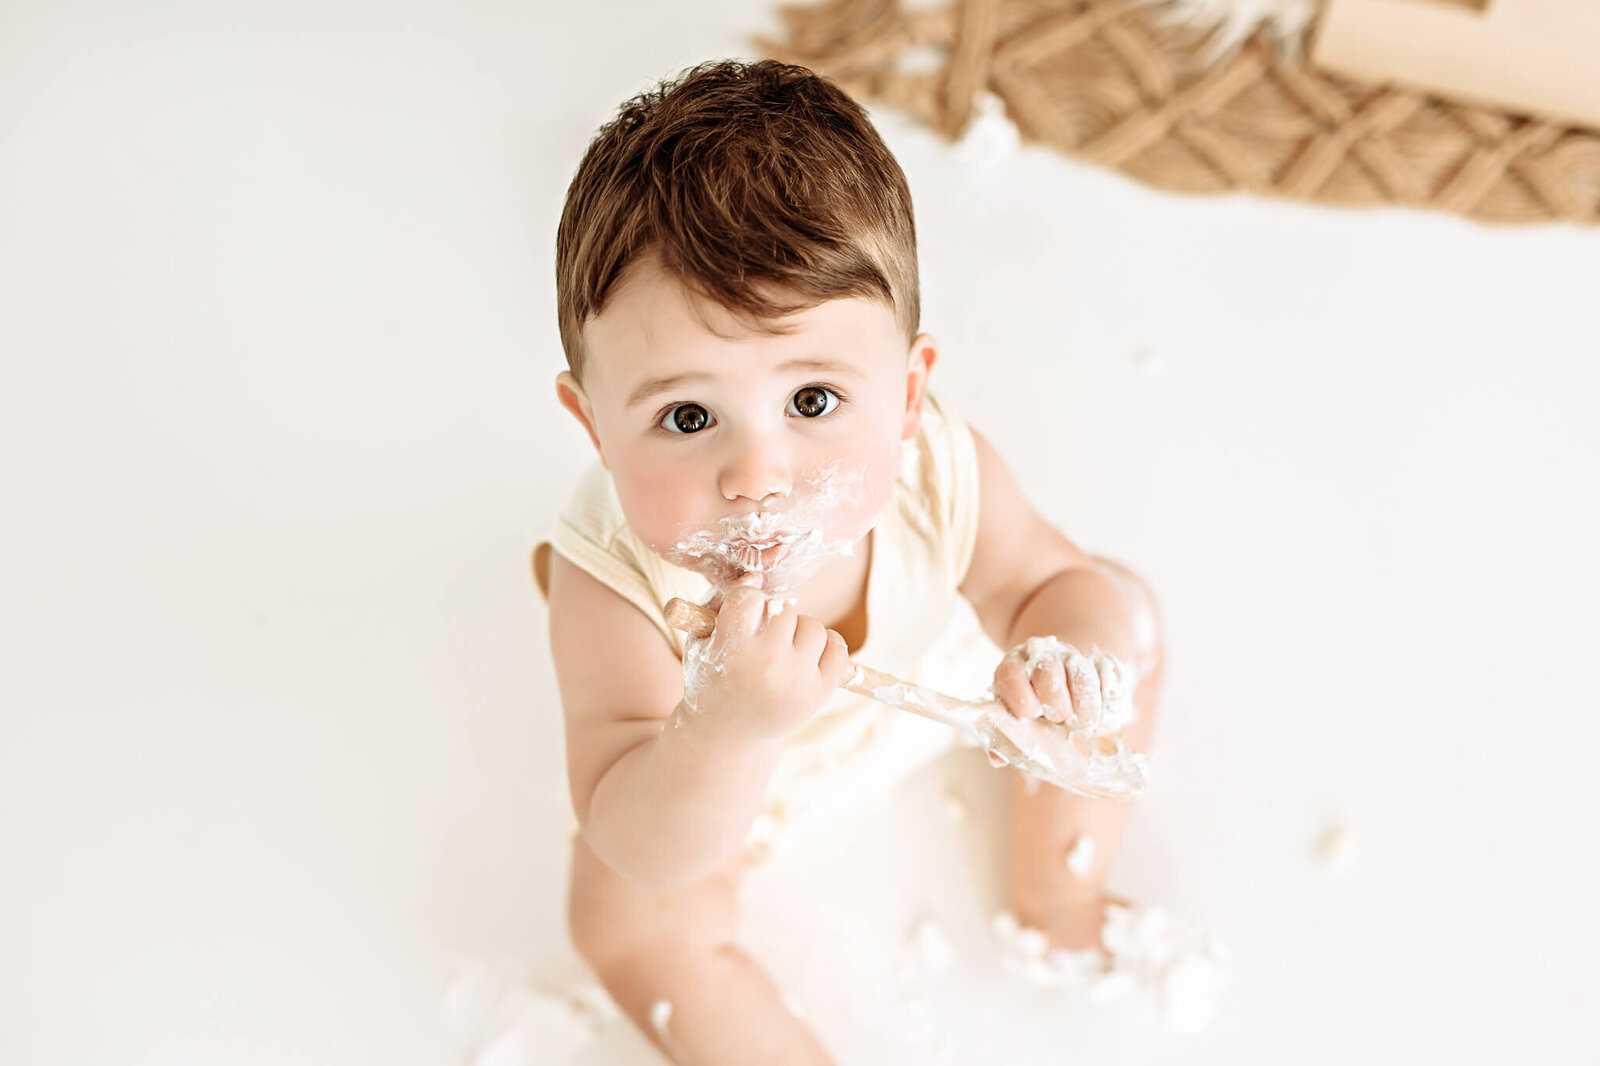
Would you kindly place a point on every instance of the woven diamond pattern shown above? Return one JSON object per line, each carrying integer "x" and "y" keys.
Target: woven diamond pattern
{"x": 1111, "y": 82}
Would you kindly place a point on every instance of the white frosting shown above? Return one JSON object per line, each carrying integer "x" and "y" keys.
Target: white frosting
{"x": 1068, "y": 755}
{"x": 1175, "y": 972}
{"x": 776, "y": 605}
{"x": 1076, "y": 756}
{"x": 783, "y": 546}
{"x": 1099, "y": 685}
{"x": 904, "y": 692}
{"x": 1080, "y": 857}
{"x": 660, "y": 1015}
{"x": 990, "y": 137}
{"x": 701, "y": 661}
{"x": 1230, "y": 23}
{"x": 930, "y": 950}
{"x": 495, "y": 1020}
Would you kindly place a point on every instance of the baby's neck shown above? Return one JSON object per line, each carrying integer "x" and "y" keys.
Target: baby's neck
{"x": 837, "y": 593}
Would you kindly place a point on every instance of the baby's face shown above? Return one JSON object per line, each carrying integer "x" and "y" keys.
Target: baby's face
{"x": 735, "y": 451}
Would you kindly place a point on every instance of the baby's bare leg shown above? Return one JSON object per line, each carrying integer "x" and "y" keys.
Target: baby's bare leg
{"x": 648, "y": 947}
{"x": 1047, "y": 822}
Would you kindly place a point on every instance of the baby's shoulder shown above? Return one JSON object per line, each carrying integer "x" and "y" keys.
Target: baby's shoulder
{"x": 592, "y": 535}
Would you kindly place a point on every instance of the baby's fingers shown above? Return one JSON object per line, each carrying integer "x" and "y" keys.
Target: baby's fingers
{"x": 835, "y": 662}
{"x": 742, "y": 611}
{"x": 814, "y": 643}
{"x": 1011, "y": 688}
{"x": 1083, "y": 680}
{"x": 1116, "y": 692}
{"x": 810, "y": 638}
{"x": 1050, "y": 686}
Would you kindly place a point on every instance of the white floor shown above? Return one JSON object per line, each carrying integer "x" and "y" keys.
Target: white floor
{"x": 278, "y": 733}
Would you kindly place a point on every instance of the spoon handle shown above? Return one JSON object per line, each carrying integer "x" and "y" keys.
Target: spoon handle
{"x": 1090, "y": 765}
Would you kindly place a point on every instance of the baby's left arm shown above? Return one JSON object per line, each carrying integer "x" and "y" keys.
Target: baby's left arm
{"x": 1028, "y": 580}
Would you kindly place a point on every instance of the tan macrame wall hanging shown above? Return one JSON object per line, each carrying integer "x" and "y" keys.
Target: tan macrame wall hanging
{"x": 1118, "y": 83}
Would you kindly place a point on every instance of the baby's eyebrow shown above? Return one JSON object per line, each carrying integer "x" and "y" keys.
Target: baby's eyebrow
{"x": 655, "y": 386}
{"x": 822, "y": 366}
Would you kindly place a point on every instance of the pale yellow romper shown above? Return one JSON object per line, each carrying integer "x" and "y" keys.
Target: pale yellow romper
{"x": 853, "y": 751}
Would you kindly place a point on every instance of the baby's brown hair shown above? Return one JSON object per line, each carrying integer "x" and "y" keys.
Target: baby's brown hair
{"x": 761, "y": 185}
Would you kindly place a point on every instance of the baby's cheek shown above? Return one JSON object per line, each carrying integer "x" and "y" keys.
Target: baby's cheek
{"x": 856, "y": 516}
{"x": 851, "y": 523}
{"x": 657, "y": 513}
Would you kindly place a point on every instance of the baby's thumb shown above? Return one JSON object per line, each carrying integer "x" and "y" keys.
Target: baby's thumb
{"x": 835, "y": 662}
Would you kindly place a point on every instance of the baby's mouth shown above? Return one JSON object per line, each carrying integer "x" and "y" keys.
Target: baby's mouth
{"x": 765, "y": 550}
{"x": 783, "y": 547}
{"x": 779, "y": 551}
{"x": 760, "y": 556}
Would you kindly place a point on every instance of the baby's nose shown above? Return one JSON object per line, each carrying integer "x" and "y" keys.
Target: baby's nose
{"x": 756, "y": 471}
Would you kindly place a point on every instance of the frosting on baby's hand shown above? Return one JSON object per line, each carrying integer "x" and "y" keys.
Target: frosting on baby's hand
{"x": 1092, "y": 692}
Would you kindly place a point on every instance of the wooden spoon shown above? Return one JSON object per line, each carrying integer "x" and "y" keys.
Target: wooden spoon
{"x": 1093, "y": 765}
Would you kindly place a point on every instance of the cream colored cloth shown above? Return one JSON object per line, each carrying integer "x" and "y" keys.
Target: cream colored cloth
{"x": 853, "y": 751}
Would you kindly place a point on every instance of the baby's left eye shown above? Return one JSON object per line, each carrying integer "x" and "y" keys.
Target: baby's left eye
{"x": 813, "y": 401}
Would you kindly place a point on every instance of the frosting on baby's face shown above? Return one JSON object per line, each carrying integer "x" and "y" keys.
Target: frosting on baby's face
{"x": 785, "y": 544}
{"x": 738, "y": 450}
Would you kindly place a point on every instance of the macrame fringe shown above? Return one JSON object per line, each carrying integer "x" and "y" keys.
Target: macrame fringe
{"x": 1126, "y": 84}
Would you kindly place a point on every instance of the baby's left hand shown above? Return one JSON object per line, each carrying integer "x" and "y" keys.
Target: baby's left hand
{"x": 1044, "y": 677}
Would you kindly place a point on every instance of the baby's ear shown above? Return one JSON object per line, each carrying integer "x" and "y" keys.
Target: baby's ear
{"x": 924, "y": 353}
{"x": 570, "y": 392}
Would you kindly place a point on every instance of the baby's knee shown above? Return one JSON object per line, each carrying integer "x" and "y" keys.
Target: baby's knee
{"x": 627, "y": 944}
{"x": 606, "y": 941}
{"x": 619, "y": 928}
{"x": 1144, "y": 615}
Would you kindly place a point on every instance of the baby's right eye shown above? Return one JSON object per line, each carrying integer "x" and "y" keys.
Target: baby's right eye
{"x": 686, "y": 418}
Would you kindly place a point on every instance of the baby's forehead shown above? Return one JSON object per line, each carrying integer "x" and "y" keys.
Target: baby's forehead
{"x": 654, "y": 316}
{"x": 647, "y": 288}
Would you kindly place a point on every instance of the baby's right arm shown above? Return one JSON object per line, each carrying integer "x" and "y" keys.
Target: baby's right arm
{"x": 665, "y": 792}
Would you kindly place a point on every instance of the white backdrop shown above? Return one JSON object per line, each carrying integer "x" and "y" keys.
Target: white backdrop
{"x": 278, "y": 732}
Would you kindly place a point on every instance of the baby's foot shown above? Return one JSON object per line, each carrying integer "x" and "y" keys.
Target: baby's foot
{"x": 1063, "y": 949}
{"x": 1177, "y": 970}
{"x": 1076, "y": 924}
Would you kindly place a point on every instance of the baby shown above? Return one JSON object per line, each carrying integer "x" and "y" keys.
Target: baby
{"x": 736, "y": 280}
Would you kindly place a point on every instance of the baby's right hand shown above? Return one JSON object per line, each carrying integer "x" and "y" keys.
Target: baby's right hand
{"x": 761, "y": 677}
